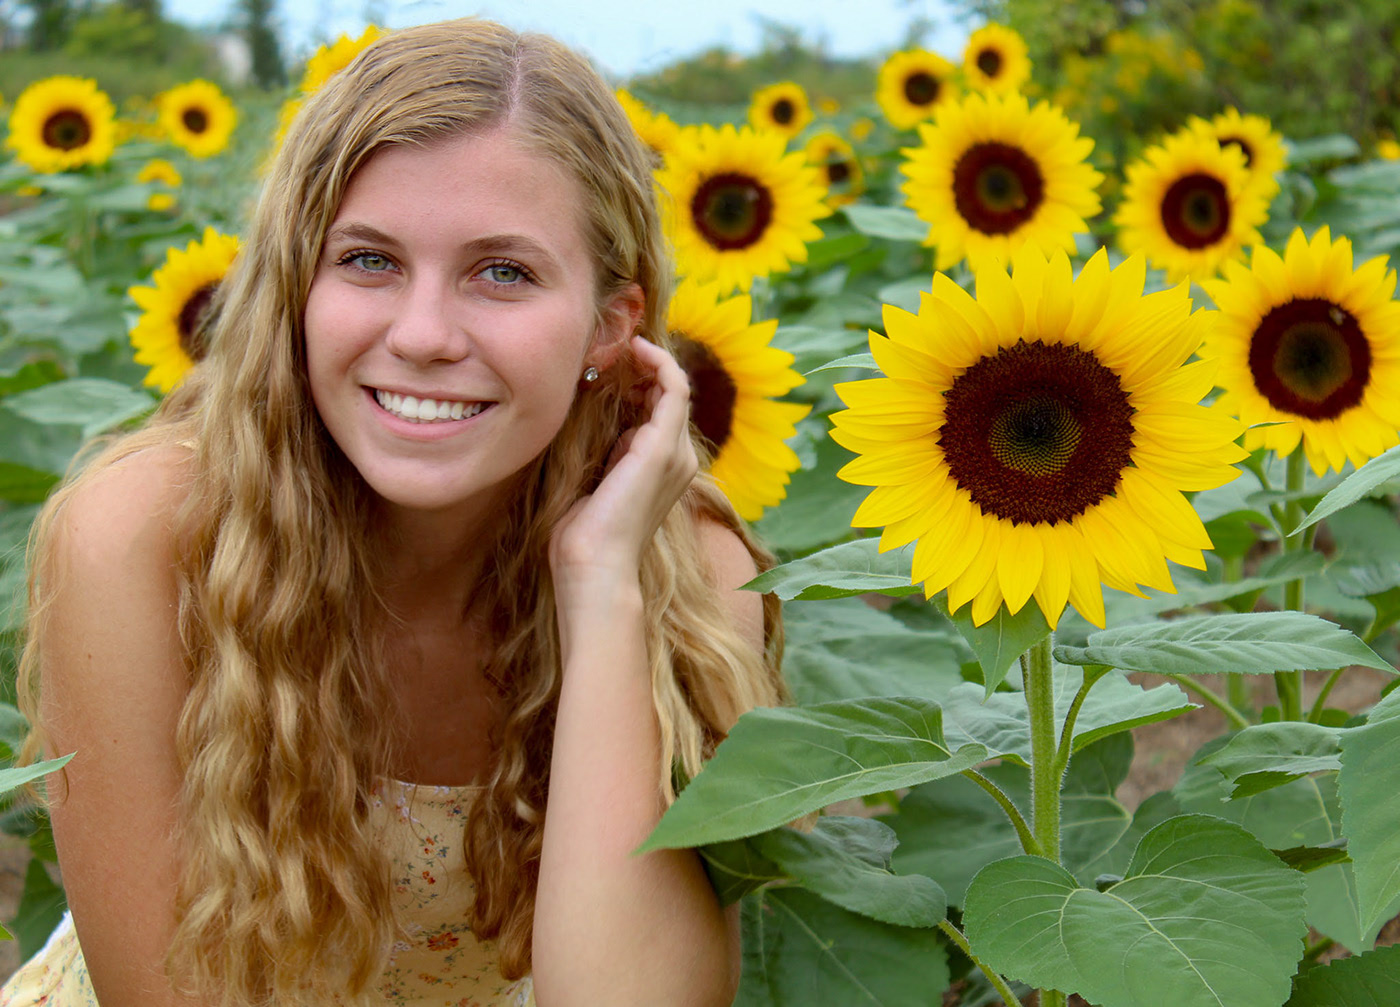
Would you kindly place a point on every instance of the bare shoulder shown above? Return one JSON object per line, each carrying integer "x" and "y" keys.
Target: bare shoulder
{"x": 731, "y": 566}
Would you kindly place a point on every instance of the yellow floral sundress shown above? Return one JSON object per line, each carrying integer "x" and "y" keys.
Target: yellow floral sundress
{"x": 439, "y": 963}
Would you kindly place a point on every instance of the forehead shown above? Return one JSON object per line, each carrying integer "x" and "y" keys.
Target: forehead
{"x": 467, "y": 186}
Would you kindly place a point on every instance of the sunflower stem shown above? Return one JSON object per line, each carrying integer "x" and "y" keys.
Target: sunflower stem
{"x": 1237, "y": 719}
{"x": 1289, "y": 684}
{"x": 1018, "y": 822}
{"x": 1320, "y": 703}
{"x": 998, "y": 983}
{"x": 1045, "y": 783}
{"x": 1067, "y": 732}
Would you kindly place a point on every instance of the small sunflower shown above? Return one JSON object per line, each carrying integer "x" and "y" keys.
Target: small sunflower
{"x": 913, "y": 85}
{"x": 991, "y": 173}
{"x": 739, "y": 206}
{"x": 1189, "y": 207}
{"x": 843, "y": 175}
{"x": 734, "y": 378}
{"x": 1311, "y": 345}
{"x": 1036, "y": 441}
{"x": 198, "y": 117}
{"x": 656, "y": 129}
{"x": 60, "y": 123}
{"x": 1263, "y": 150}
{"x": 862, "y": 128}
{"x": 329, "y": 60}
{"x": 1388, "y": 150}
{"x": 781, "y": 107}
{"x": 995, "y": 60}
{"x": 170, "y": 336}
{"x": 160, "y": 170}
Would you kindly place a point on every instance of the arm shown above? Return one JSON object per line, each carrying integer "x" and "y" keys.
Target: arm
{"x": 112, "y": 689}
{"x": 611, "y": 927}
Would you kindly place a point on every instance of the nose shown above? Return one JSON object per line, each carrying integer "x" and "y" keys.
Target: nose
{"x": 428, "y": 326}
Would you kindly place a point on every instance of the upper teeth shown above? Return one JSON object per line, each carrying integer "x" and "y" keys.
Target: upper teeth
{"x": 426, "y": 410}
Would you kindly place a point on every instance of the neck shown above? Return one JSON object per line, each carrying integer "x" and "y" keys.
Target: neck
{"x": 431, "y": 562}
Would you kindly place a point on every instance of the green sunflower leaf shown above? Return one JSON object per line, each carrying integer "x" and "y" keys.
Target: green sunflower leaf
{"x": 16, "y": 776}
{"x": 1000, "y": 721}
{"x": 801, "y": 949}
{"x": 840, "y": 571}
{"x": 1366, "y": 980}
{"x": 1205, "y": 915}
{"x": 895, "y": 223}
{"x": 1000, "y": 641}
{"x": 1334, "y": 147}
{"x": 1269, "y": 755}
{"x": 846, "y": 861}
{"x": 94, "y": 404}
{"x": 865, "y": 360}
{"x": 41, "y": 907}
{"x": 1234, "y": 643}
{"x": 780, "y": 763}
{"x": 1368, "y": 783}
{"x": 1359, "y": 484}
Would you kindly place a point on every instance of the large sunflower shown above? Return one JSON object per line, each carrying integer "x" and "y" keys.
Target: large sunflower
{"x": 995, "y": 60}
{"x": 198, "y": 117}
{"x": 1263, "y": 149}
{"x": 656, "y": 129}
{"x": 170, "y": 336}
{"x": 734, "y": 378}
{"x": 1189, "y": 207}
{"x": 1311, "y": 345}
{"x": 329, "y": 60}
{"x": 913, "y": 85}
{"x": 781, "y": 107}
{"x": 62, "y": 122}
{"x": 739, "y": 206}
{"x": 839, "y": 165}
{"x": 991, "y": 173}
{"x": 1036, "y": 441}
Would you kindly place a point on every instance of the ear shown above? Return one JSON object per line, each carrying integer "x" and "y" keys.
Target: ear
{"x": 618, "y": 322}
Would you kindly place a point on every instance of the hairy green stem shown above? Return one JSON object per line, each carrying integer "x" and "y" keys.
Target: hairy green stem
{"x": 1240, "y": 695}
{"x": 1063, "y": 753}
{"x": 1289, "y": 684}
{"x": 998, "y": 983}
{"x": 1045, "y": 783}
{"x": 1320, "y": 704}
{"x": 1023, "y": 831}
{"x": 1237, "y": 719}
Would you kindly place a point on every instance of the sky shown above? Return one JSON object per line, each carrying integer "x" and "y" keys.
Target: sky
{"x": 624, "y": 37}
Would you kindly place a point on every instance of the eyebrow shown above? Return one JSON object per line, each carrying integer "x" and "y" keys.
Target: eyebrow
{"x": 488, "y": 244}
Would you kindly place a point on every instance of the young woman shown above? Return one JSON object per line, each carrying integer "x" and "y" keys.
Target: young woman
{"x": 379, "y": 645}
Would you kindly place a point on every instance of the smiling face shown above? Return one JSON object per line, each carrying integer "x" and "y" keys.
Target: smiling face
{"x": 451, "y": 315}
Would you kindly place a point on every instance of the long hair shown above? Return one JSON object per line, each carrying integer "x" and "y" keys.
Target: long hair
{"x": 284, "y": 894}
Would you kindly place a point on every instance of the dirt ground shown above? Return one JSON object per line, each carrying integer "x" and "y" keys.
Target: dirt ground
{"x": 1162, "y": 752}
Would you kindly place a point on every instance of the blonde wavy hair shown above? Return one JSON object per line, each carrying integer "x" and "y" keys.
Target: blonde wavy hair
{"x": 284, "y": 893}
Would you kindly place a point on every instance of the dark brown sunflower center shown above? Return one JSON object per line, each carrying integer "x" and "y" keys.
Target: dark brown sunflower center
{"x": 997, "y": 187}
{"x": 192, "y": 322}
{"x": 732, "y": 210}
{"x": 1309, "y": 357}
{"x": 922, "y": 88}
{"x": 195, "y": 120}
{"x": 784, "y": 111}
{"x": 712, "y": 391}
{"x": 66, "y": 129}
{"x": 1037, "y": 433}
{"x": 1196, "y": 211}
{"x": 838, "y": 173}
{"x": 1235, "y": 141}
{"x": 989, "y": 62}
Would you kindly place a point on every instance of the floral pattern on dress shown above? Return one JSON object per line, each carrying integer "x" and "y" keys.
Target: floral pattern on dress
{"x": 438, "y": 962}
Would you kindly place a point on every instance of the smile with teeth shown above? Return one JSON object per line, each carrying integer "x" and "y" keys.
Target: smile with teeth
{"x": 417, "y": 410}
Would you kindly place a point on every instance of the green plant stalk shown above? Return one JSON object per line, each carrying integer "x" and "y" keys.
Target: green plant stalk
{"x": 998, "y": 983}
{"x": 1289, "y": 684}
{"x": 1237, "y": 719}
{"x": 1065, "y": 750}
{"x": 1023, "y": 831}
{"x": 1045, "y": 783}
{"x": 1320, "y": 704}
{"x": 1037, "y": 670}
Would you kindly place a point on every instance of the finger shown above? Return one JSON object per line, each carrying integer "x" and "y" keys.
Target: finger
{"x": 669, "y": 397}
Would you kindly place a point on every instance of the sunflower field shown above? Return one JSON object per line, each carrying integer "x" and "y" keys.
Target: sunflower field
{"x": 1053, "y": 447}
